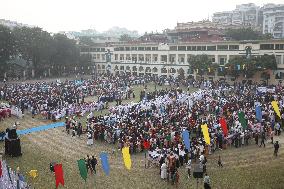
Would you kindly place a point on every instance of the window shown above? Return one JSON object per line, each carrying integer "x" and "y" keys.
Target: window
{"x": 116, "y": 57}
{"x": 193, "y": 48}
{"x": 164, "y": 58}
{"x": 84, "y": 49}
{"x": 148, "y": 48}
{"x": 121, "y": 48}
{"x": 211, "y": 48}
{"x": 154, "y": 48}
{"x": 182, "y": 48}
{"x": 222, "y": 61}
{"x": 201, "y": 48}
{"x": 279, "y": 46}
{"x": 134, "y": 48}
{"x": 188, "y": 48}
{"x": 103, "y": 49}
{"x": 127, "y": 48}
{"x": 222, "y": 47}
{"x": 266, "y": 46}
{"x": 173, "y": 48}
{"x": 116, "y": 49}
{"x": 156, "y": 58}
{"x": 233, "y": 47}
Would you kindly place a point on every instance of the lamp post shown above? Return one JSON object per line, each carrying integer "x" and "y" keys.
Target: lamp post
{"x": 108, "y": 60}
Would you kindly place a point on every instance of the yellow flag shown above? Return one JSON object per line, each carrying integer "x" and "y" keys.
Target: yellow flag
{"x": 205, "y": 133}
{"x": 276, "y": 108}
{"x": 33, "y": 173}
{"x": 244, "y": 66}
{"x": 126, "y": 157}
{"x": 196, "y": 70}
{"x": 209, "y": 69}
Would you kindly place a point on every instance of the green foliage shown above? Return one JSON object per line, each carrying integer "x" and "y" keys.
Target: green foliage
{"x": 39, "y": 47}
{"x": 200, "y": 63}
{"x": 246, "y": 34}
{"x": 86, "y": 40}
{"x": 7, "y": 44}
{"x": 248, "y": 67}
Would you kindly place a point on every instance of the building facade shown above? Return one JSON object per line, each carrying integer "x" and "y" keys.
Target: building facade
{"x": 244, "y": 15}
{"x": 173, "y": 59}
{"x": 273, "y": 20}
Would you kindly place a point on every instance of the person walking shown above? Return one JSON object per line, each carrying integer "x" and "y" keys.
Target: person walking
{"x": 277, "y": 129}
{"x": 188, "y": 167}
{"x": 262, "y": 139}
{"x": 94, "y": 163}
{"x": 220, "y": 162}
{"x": 206, "y": 182}
{"x": 276, "y": 148}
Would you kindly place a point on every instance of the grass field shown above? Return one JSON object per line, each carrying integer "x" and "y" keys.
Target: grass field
{"x": 248, "y": 167}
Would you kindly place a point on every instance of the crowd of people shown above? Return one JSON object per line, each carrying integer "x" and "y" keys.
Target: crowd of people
{"x": 155, "y": 124}
{"x": 161, "y": 116}
{"x": 57, "y": 100}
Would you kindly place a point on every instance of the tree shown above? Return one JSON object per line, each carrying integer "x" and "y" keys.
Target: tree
{"x": 66, "y": 54}
{"x": 200, "y": 63}
{"x": 7, "y": 47}
{"x": 125, "y": 37}
{"x": 248, "y": 67}
{"x": 35, "y": 45}
{"x": 86, "y": 40}
{"x": 246, "y": 34}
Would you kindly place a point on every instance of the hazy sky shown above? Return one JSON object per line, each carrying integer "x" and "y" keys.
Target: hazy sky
{"x": 141, "y": 15}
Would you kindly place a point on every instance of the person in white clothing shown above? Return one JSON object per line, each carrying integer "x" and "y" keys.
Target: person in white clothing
{"x": 90, "y": 140}
{"x": 164, "y": 171}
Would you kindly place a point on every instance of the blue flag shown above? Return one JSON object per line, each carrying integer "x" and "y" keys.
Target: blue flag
{"x": 105, "y": 164}
{"x": 185, "y": 136}
{"x": 238, "y": 67}
{"x": 258, "y": 113}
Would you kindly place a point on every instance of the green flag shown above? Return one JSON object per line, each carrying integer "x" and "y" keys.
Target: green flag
{"x": 242, "y": 119}
{"x": 82, "y": 169}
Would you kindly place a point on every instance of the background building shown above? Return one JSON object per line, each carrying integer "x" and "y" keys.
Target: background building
{"x": 273, "y": 20}
{"x": 173, "y": 59}
{"x": 244, "y": 15}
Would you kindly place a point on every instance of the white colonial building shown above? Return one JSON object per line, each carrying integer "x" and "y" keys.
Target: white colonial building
{"x": 173, "y": 58}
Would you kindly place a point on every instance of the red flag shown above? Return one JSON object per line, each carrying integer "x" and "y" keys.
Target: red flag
{"x": 224, "y": 126}
{"x": 0, "y": 168}
{"x": 146, "y": 144}
{"x": 58, "y": 175}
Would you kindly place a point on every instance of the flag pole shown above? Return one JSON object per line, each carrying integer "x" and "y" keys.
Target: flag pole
{"x": 145, "y": 160}
{"x": 94, "y": 180}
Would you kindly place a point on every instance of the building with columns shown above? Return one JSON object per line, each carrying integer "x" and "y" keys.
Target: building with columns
{"x": 173, "y": 59}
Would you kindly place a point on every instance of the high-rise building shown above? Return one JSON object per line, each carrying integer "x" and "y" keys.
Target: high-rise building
{"x": 273, "y": 20}
{"x": 244, "y": 15}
